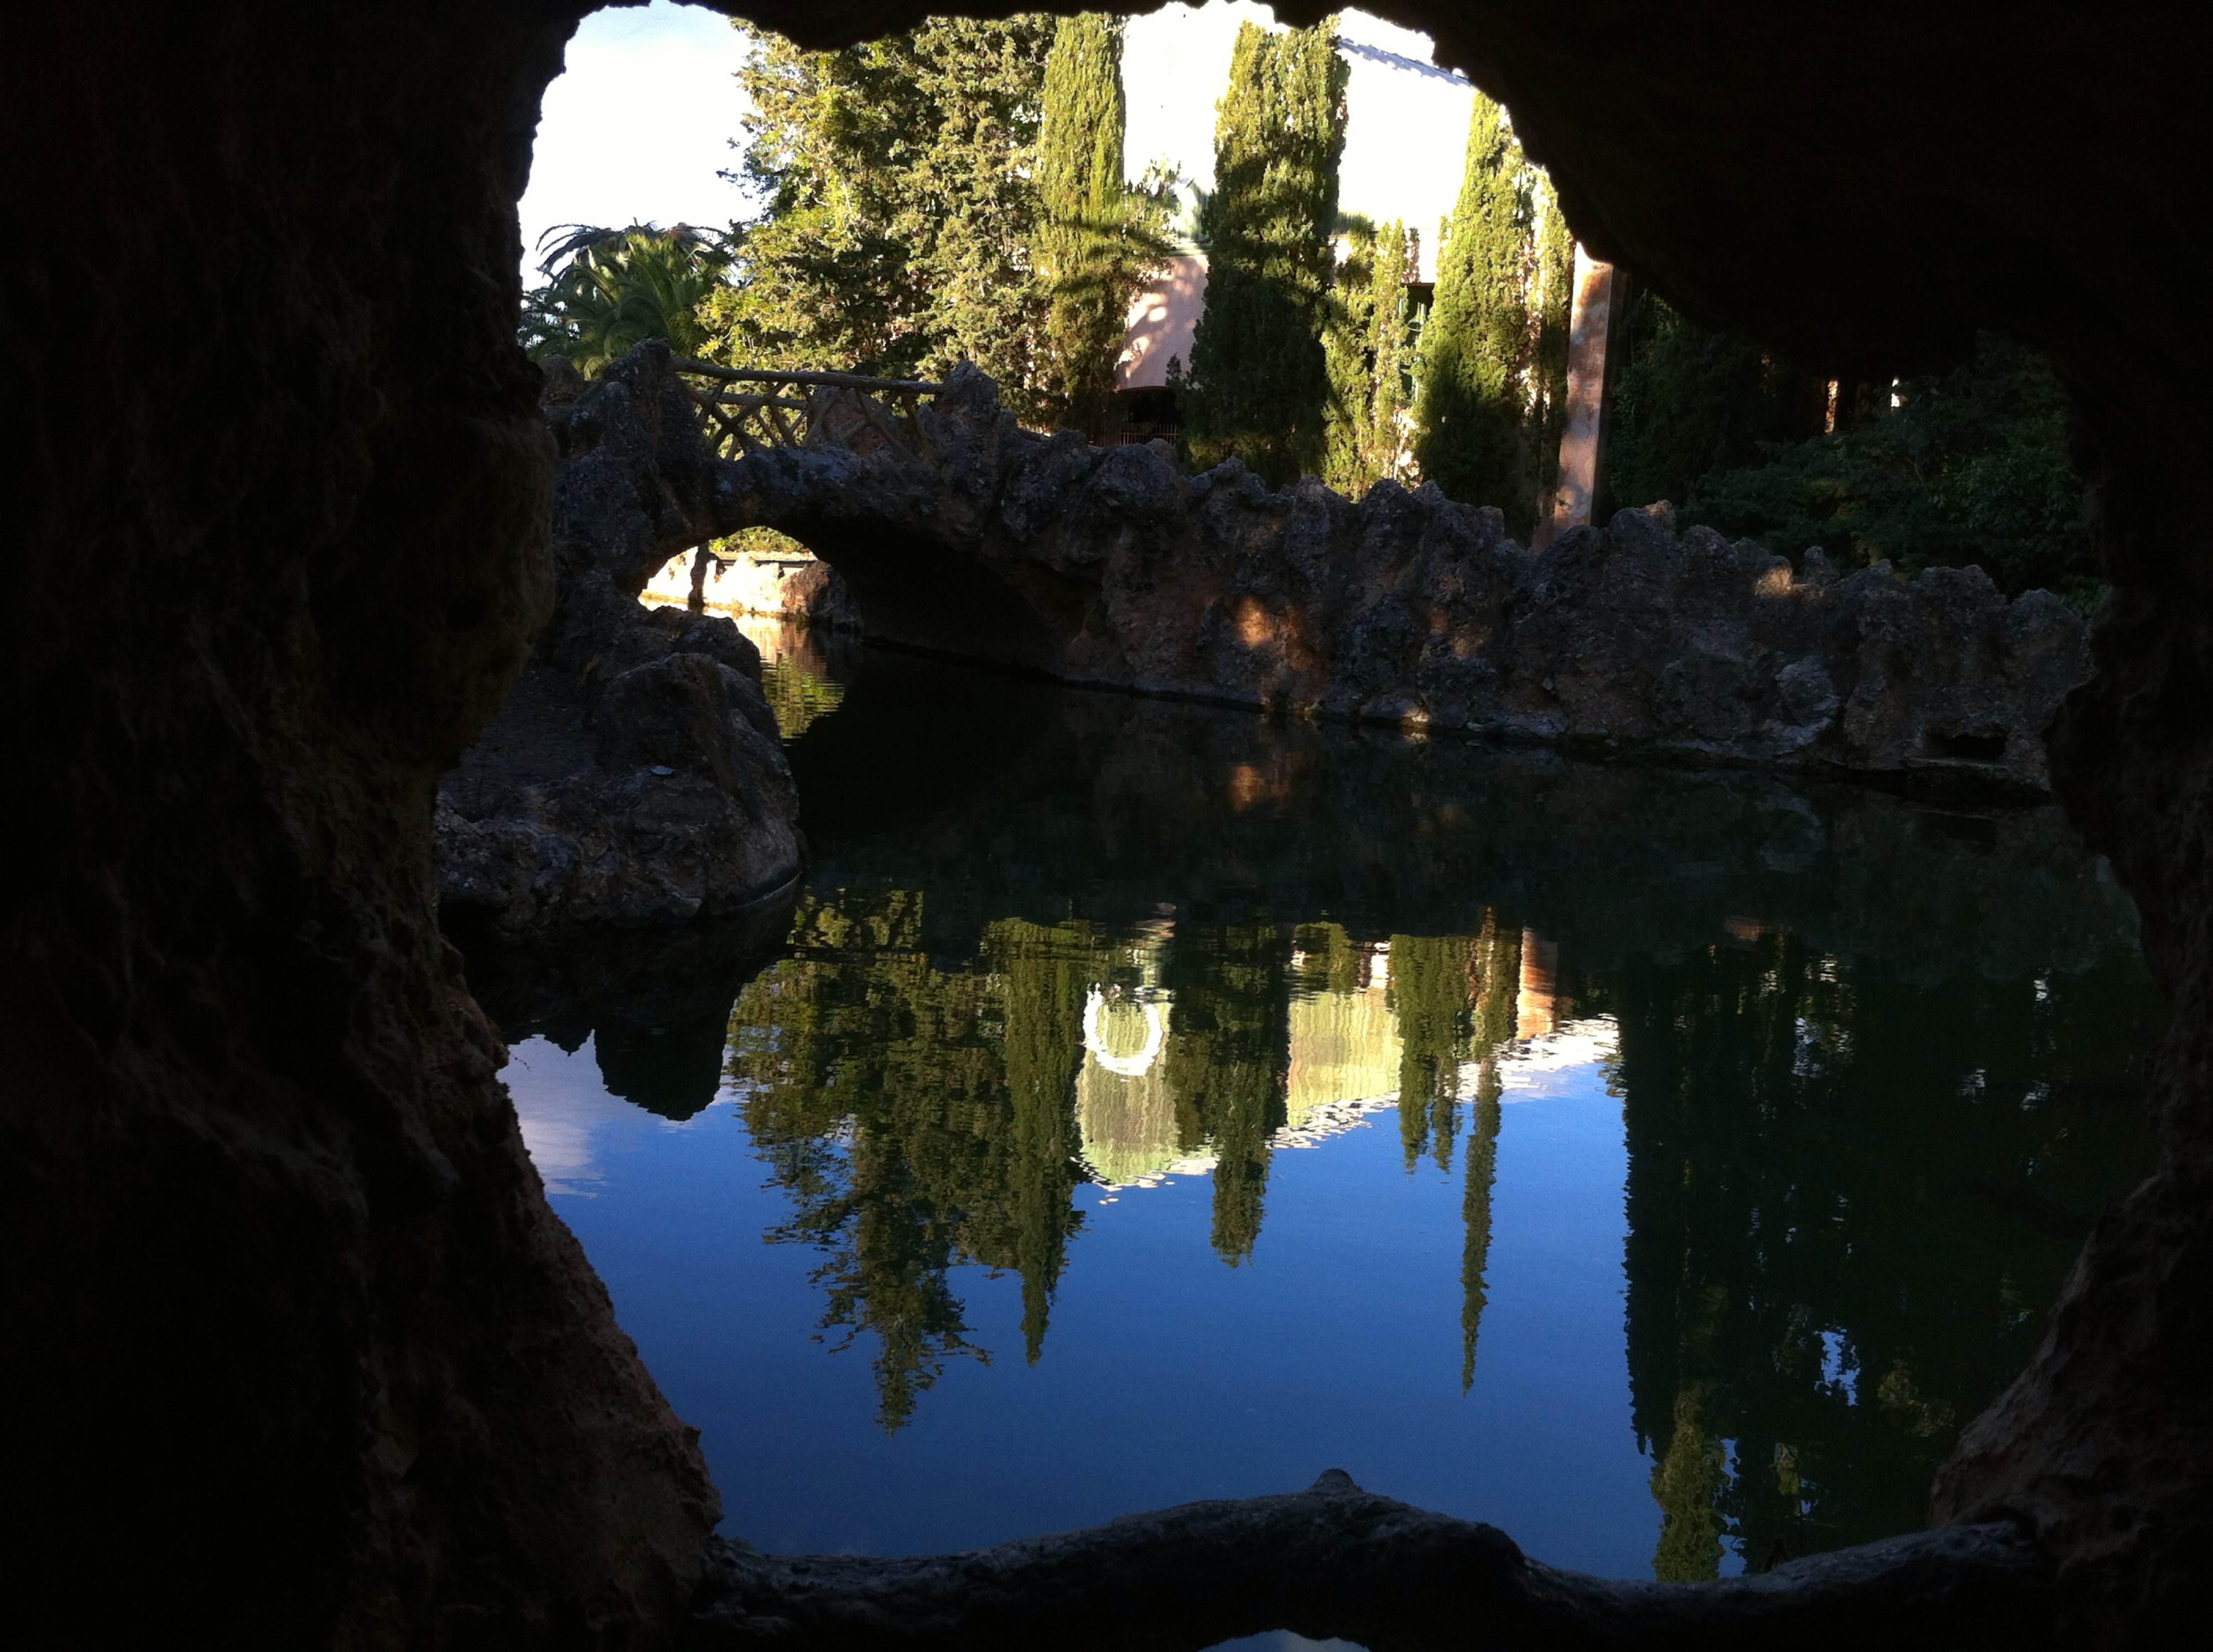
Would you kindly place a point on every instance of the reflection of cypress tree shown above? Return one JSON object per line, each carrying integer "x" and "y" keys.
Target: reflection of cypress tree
{"x": 1685, "y": 1482}
{"x": 1496, "y": 968}
{"x": 890, "y": 1279}
{"x": 1331, "y": 962}
{"x": 1475, "y": 1214}
{"x": 1429, "y": 992}
{"x": 1849, "y": 1199}
{"x": 1499, "y": 981}
{"x": 1045, "y": 980}
{"x": 1228, "y": 1057}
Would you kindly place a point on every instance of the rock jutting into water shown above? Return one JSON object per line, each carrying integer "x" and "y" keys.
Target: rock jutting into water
{"x": 634, "y": 776}
{"x": 1110, "y": 567}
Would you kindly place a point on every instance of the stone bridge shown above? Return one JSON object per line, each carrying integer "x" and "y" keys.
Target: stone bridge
{"x": 960, "y": 533}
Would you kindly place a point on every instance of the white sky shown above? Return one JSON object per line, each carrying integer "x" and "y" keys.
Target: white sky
{"x": 638, "y": 126}
{"x": 642, "y": 121}
{"x": 1405, "y": 132}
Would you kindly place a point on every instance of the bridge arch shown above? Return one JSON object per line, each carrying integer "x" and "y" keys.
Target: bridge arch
{"x": 892, "y": 482}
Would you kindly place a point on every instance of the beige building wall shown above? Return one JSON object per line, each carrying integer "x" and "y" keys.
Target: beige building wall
{"x": 1162, "y": 322}
{"x": 1344, "y": 1047}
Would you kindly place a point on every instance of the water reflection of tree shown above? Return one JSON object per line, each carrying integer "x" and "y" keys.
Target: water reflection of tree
{"x": 1850, "y": 1200}
{"x": 1228, "y": 1058}
{"x": 917, "y": 1118}
{"x": 921, "y": 1116}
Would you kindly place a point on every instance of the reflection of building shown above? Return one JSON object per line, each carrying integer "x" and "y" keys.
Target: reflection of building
{"x": 1124, "y": 1111}
{"x": 1536, "y": 1009}
{"x": 1123, "y": 1106}
{"x": 1344, "y": 1047}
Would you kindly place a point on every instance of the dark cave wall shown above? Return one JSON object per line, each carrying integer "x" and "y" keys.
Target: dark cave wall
{"x": 295, "y": 1352}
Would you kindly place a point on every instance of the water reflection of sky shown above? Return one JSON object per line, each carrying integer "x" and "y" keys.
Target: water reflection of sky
{"x": 1057, "y": 1167}
{"x": 1167, "y": 1375}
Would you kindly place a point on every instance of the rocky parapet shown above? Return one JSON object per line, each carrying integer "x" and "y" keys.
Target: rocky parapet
{"x": 1110, "y": 567}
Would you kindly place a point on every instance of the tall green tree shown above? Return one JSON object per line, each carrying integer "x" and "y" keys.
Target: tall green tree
{"x": 1097, "y": 238}
{"x": 899, "y": 204}
{"x": 1259, "y": 382}
{"x": 1553, "y": 306}
{"x": 1370, "y": 360}
{"x": 1476, "y": 350}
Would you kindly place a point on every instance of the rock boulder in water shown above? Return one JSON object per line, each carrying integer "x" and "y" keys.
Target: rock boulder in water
{"x": 634, "y": 777}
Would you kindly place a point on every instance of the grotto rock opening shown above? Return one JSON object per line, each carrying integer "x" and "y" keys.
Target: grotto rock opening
{"x": 288, "y": 1312}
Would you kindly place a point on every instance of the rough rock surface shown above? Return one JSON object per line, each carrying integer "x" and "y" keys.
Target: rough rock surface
{"x": 297, "y": 1353}
{"x": 778, "y": 586}
{"x": 1109, "y": 566}
{"x": 633, "y": 776}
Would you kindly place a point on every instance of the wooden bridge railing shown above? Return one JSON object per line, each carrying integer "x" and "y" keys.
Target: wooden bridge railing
{"x": 744, "y": 409}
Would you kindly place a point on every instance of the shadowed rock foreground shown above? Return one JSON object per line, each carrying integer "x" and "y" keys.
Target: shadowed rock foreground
{"x": 633, "y": 778}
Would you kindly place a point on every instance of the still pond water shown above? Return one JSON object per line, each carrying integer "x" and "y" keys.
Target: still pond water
{"x": 1148, "y": 1102}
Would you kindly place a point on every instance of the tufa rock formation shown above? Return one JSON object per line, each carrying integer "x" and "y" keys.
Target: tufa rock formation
{"x": 634, "y": 776}
{"x": 1107, "y": 566}
{"x": 296, "y": 1353}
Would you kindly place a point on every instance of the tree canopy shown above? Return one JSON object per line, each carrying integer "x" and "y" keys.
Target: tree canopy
{"x": 1476, "y": 350}
{"x": 1259, "y": 382}
{"x": 607, "y": 291}
{"x": 899, "y": 209}
{"x": 1097, "y": 238}
{"x": 1373, "y": 326}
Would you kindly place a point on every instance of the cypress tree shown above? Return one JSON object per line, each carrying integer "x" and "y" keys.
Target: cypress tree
{"x": 1368, "y": 356}
{"x": 1499, "y": 959}
{"x": 1083, "y": 209}
{"x": 1344, "y": 351}
{"x": 1475, "y": 352}
{"x": 1259, "y": 382}
{"x": 1548, "y": 390}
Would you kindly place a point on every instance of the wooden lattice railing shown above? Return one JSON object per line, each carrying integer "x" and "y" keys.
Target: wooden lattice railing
{"x": 745, "y": 410}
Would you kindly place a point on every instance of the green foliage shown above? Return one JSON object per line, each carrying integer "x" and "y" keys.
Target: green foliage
{"x": 1790, "y": 1289}
{"x": 1259, "y": 383}
{"x": 1970, "y": 467}
{"x": 1097, "y": 239}
{"x": 1430, "y": 994}
{"x": 1370, "y": 354}
{"x": 607, "y": 291}
{"x": 899, "y": 210}
{"x": 1688, "y": 401}
{"x": 953, "y": 1090}
{"x": 1553, "y": 304}
{"x": 798, "y": 699}
{"x": 1477, "y": 350}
